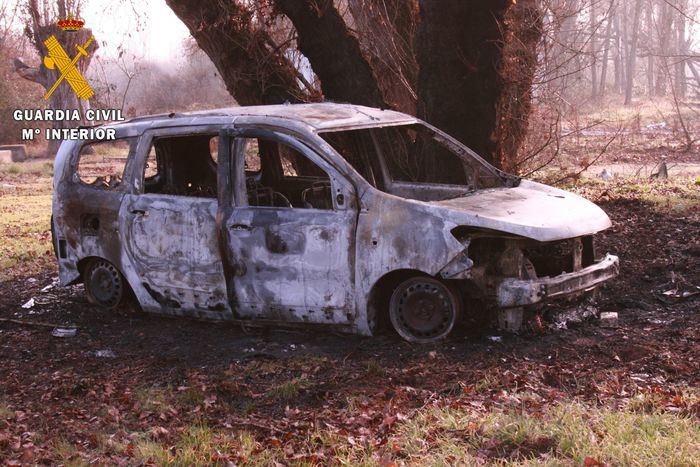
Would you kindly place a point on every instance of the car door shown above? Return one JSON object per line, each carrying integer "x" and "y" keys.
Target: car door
{"x": 284, "y": 261}
{"x": 169, "y": 229}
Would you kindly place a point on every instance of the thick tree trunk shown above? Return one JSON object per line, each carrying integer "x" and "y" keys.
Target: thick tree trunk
{"x": 459, "y": 48}
{"x": 39, "y": 30}
{"x": 459, "y": 51}
{"x": 386, "y": 31}
{"x": 524, "y": 27}
{"x": 334, "y": 53}
{"x": 254, "y": 70}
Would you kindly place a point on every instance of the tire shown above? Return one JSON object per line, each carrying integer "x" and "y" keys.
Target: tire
{"x": 104, "y": 284}
{"x": 423, "y": 309}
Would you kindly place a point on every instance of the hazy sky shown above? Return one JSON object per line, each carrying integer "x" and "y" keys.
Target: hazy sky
{"x": 116, "y": 22}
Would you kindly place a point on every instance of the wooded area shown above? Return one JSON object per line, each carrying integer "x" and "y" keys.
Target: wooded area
{"x": 474, "y": 69}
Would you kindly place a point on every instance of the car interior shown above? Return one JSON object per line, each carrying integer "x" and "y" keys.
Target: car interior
{"x": 276, "y": 174}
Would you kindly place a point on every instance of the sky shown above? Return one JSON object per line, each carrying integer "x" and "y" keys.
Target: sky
{"x": 146, "y": 28}
{"x": 159, "y": 37}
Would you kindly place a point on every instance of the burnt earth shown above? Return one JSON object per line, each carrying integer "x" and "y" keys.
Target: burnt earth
{"x": 60, "y": 388}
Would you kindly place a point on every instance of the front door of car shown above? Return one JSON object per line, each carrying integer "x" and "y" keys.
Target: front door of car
{"x": 288, "y": 221}
{"x": 169, "y": 230}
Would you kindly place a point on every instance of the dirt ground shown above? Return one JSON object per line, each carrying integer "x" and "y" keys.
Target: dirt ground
{"x": 128, "y": 388}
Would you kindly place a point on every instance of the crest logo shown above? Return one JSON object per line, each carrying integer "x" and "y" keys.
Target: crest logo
{"x": 71, "y": 24}
{"x": 58, "y": 58}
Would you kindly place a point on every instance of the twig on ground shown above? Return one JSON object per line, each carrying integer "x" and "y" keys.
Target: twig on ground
{"x": 34, "y": 323}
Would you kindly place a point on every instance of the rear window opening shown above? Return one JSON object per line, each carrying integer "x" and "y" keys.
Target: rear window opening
{"x": 182, "y": 166}
{"x": 101, "y": 165}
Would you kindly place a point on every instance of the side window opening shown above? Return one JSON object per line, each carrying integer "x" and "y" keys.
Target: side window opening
{"x": 102, "y": 164}
{"x": 278, "y": 175}
{"x": 182, "y": 166}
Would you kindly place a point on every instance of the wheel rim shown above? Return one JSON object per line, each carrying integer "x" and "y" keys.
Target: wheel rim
{"x": 423, "y": 310}
{"x": 105, "y": 284}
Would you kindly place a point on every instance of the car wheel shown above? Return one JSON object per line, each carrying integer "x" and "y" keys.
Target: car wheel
{"x": 104, "y": 284}
{"x": 424, "y": 309}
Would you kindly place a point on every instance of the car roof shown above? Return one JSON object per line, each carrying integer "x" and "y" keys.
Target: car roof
{"x": 323, "y": 116}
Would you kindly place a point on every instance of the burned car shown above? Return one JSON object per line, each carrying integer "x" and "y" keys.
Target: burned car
{"x": 324, "y": 214}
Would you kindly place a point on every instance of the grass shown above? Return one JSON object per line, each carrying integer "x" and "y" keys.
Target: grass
{"x": 375, "y": 369}
{"x": 6, "y": 411}
{"x": 201, "y": 445}
{"x": 25, "y": 226}
{"x": 25, "y": 213}
{"x": 153, "y": 398}
{"x": 288, "y": 391}
{"x": 679, "y": 194}
{"x": 67, "y": 453}
{"x": 563, "y": 434}
{"x": 40, "y": 168}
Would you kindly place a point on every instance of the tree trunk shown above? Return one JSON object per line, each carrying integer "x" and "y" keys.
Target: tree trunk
{"x": 344, "y": 73}
{"x": 617, "y": 59}
{"x": 681, "y": 48}
{"x": 631, "y": 59}
{"x": 650, "y": 47}
{"x": 38, "y": 30}
{"x": 459, "y": 48}
{"x": 524, "y": 28}
{"x": 664, "y": 41}
{"x": 696, "y": 75}
{"x": 593, "y": 50}
{"x": 386, "y": 32}
{"x": 606, "y": 49}
{"x": 254, "y": 69}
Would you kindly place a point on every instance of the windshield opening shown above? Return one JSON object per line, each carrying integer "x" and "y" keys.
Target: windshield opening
{"x": 414, "y": 161}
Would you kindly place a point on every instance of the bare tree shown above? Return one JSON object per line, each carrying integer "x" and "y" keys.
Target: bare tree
{"x": 445, "y": 62}
{"x": 41, "y": 17}
{"x": 632, "y": 57}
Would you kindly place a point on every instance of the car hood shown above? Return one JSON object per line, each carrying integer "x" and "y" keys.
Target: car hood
{"x": 529, "y": 210}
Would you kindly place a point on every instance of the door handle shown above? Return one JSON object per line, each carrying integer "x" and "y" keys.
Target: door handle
{"x": 138, "y": 212}
{"x": 239, "y": 227}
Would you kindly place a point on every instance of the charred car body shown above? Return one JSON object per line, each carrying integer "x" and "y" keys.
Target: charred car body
{"x": 318, "y": 213}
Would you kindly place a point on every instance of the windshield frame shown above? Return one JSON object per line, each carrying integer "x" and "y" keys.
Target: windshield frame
{"x": 475, "y": 162}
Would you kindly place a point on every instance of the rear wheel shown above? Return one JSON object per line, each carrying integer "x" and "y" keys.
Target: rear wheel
{"x": 424, "y": 309}
{"x": 104, "y": 284}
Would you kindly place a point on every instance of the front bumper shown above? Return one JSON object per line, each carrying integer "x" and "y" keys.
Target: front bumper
{"x": 517, "y": 292}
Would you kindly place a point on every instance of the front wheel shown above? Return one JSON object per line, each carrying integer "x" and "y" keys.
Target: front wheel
{"x": 424, "y": 309}
{"x": 104, "y": 284}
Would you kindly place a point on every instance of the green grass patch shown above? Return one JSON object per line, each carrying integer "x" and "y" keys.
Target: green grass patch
{"x": 6, "y": 411}
{"x": 201, "y": 445}
{"x": 41, "y": 168}
{"x": 154, "y": 398}
{"x": 562, "y": 434}
{"x": 289, "y": 390}
{"x": 677, "y": 195}
{"x": 25, "y": 226}
{"x": 67, "y": 453}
